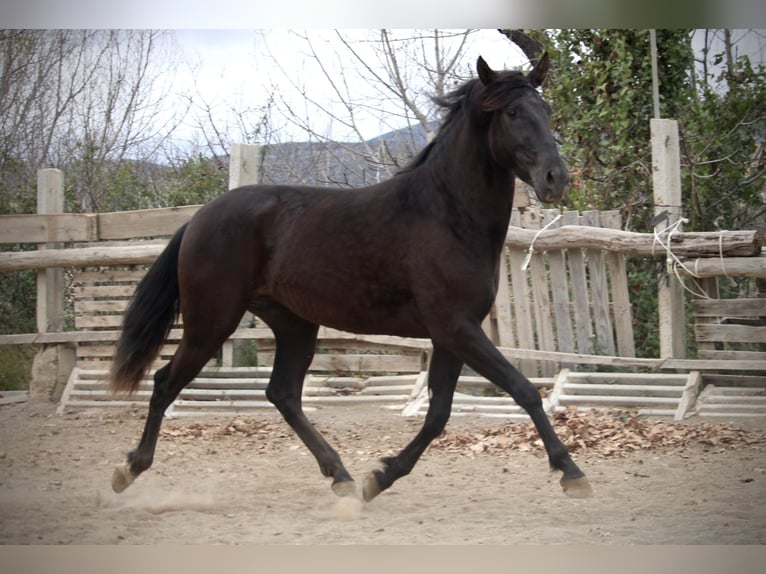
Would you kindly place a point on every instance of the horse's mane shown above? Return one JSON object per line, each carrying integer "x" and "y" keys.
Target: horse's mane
{"x": 456, "y": 106}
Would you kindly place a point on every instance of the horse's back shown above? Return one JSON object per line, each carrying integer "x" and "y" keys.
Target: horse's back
{"x": 336, "y": 257}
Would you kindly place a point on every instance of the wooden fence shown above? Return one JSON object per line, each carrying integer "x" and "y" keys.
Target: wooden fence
{"x": 571, "y": 297}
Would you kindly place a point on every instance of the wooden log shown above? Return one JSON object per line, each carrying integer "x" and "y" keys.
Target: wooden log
{"x": 504, "y": 315}
{"x": 686, "y": 244}
{"x": 50, "y": 282}
{"x": 541, "y": 301}
{"x": 80, "y": 257}
{"x": 560, "y": 294}
{"x": 730, "y": 333}
{"x": 244, "y": 165}
{"x": 732, "y": 356}
{"x": 689, "y": 395}
{"x": 521, "y": 300}
{"x": 666, "y": 187}
{"x": 662, "y": 364}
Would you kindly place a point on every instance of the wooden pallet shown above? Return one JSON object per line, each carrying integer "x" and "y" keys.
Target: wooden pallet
{"x": 474, "y": 396}
{"x": 732, "y": 331}
{"x": 236, "y": 390}
{"x": 649, "y": 394}
{"x": 733, "y": 400}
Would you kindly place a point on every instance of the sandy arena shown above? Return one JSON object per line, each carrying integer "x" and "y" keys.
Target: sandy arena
{"x": 248, "y": 480}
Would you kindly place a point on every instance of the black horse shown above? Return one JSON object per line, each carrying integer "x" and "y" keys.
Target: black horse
{"x": 414, "y": 256}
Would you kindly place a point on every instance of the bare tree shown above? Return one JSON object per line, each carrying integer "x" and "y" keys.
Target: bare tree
{"x": 88, "y": 101}
{"x": 42, "y": 74}
{"x": 122, "y": 117}
{"x": 383, "y": 77}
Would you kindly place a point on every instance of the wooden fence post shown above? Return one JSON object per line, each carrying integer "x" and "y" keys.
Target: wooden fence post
{"x": 52, "y": 364}
{"x": 50, "y": 282}
{"x": 666, "y": 178}
{"x": 244, "y": 165}
{"x": 244, "y": 169}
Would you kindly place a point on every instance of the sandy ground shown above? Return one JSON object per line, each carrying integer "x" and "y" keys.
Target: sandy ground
{"x": 250, "y": 481}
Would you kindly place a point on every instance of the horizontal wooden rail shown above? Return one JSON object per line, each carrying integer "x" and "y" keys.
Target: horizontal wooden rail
{"x": 144, "y": 222}
{"x": 631, "y": 362}
{"x": 80, "y": 257}
{"x": 723, "y": 266}
{"x": 511, "y": 353}
{"x": 713, "y": 244}
{"x": 686, "y": 244}
{"x": 85, "y": 227}
{"x": 48, "y": 228}
{"x": 326, "y": 337}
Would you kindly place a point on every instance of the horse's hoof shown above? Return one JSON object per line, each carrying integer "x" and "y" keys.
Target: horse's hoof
{"x": 122, "y": 478}
{"x": 577, "y": 487}
{"x": 371, "y": 487}
{"x": 344, "y": 488}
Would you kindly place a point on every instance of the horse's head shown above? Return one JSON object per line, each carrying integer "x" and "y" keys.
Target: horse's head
{"x": 519, "y": 131}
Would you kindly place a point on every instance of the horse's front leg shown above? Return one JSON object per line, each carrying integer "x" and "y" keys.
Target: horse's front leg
{"x": 479, "y": 353}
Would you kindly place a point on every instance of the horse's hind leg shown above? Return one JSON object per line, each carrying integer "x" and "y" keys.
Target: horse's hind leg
{"x": 443, "y": 373}
{"x": 191, "y": 356}
{"x": 295, "y": 343}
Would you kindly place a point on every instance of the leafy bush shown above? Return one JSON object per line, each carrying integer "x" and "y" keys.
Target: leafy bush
{"x": 15, "y": 366}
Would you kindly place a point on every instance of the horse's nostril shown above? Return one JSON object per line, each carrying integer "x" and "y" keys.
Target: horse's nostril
{"x": 550, "y": 178}
{"x": 557, "y": 177}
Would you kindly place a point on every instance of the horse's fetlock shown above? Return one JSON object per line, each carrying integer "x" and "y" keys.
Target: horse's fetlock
{"x": 558, "y": 457}
{"x": 139, "y": 463}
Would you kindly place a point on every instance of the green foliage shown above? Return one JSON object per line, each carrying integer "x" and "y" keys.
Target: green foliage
{"x": 643, "y": 274}
{"x": 18, "y": 293}
{"x": 15, "y": 366}
{"x": 601, "y": 91}
{"x": 18, "y": 290}
{"x": 96, "y": 184}
{"x": 723, "y": 135}
{"x": 197, "y": 180}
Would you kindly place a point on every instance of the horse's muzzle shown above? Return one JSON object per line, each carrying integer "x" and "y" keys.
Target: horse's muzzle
{"x": 550, "y": 182}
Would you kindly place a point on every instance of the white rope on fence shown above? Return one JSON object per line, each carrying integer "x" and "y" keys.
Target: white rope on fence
{"x": 672, "y": 261}
{"x": 531, "y": 250}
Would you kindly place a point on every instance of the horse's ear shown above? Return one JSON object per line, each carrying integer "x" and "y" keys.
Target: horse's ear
{"x": 537, "y": 76}
{"x": 486, "y": 74}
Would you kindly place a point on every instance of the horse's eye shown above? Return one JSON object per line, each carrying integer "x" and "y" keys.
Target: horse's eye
{"x": 511, "y": 112}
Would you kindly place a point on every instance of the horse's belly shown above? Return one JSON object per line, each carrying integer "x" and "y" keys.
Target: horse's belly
{"x": 349, "y": 306}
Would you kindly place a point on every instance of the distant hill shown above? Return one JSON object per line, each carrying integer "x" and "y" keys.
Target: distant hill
{"x": 341, "y": 164}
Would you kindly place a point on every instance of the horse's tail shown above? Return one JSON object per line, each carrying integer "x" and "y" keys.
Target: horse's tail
{"x": 148, "y": 319}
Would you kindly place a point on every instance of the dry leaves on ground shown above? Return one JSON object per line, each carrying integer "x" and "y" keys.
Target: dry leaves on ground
{"x": 613, "y": 433}
{"x": 602, "y": 433}
{"x": 264, "y": 434}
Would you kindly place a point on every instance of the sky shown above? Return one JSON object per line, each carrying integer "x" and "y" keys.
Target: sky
{"x": 234, "y": 71}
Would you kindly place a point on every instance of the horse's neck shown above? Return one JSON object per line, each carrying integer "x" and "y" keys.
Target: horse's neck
{"x": 482, "y": 188}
